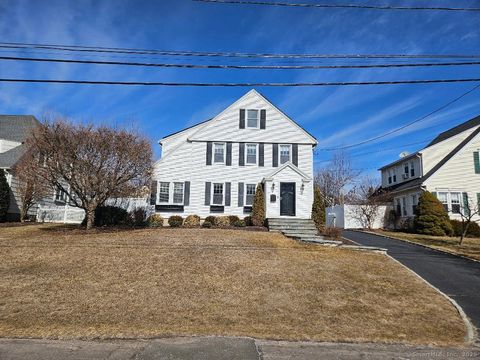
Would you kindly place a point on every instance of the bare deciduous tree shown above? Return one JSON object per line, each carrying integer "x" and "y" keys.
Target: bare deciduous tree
{"x": 468, "y": 215}
{"x": 32, "y": 187}
{"x": 334, "y": 178}
{"x": 367, "y": 199}
{"x": 91, "y": 164}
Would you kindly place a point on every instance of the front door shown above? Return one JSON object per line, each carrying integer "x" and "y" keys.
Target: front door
{"x": 287, "y": 199}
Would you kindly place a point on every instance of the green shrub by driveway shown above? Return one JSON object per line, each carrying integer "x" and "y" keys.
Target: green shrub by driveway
{"x": 431, "y": 217}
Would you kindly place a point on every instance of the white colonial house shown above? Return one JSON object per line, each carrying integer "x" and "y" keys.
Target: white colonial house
{"x": 213, "y": 168}
{"x": 448, "y": 166}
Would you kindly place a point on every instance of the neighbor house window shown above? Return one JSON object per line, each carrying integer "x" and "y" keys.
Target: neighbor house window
{"x": 252, "y": 119}
{"x": 455, "y": 200}
{"x": 285, "y": 153}
{"x": 399, "y": 207}
{"x": 404, "y": 206}
{"x": 414, "y": 203}
{"x": 219, "y": 153}
{"x": 60, "y": 195}
{"x": 249, "y": 194}
{"x": 178, "y": 193}
{"x": 443, "y": 198}
{"x": 412, "y": 169}
{"x": 217, "y": 194}
{"x": 406, "y": 169}
{"x": 389, "y": 176}
{"x": 394, "y": 176}
{"x": 251, "y": 150}
{"x": 163, "y": 192}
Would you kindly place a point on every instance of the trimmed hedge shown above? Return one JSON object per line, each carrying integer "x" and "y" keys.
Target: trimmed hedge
{"x": 248, "y": 221}
{"x": 211, "y": 219}
{"x": 233, "y": 219}
{"x": 207, "y": 224}
{"x": 222, "y": 221}
{"x": 155, "y": 220}
{"x": 431, "y": 217}
{"x": 111, "y": 216}
{"x": 473, "y": 228}
{"x": 192, "y": 221}
{"x": 175, "y": 221}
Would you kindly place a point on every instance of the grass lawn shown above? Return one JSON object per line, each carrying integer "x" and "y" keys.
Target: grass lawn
{"x": 469, "y": 248}
{"x": 58, "y": 282}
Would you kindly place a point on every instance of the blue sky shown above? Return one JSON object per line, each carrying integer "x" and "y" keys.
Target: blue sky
{"x": 335, "y": 115}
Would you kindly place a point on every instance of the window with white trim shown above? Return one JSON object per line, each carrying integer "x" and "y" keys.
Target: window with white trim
{"x": 285, "y": 153}
{"x": 251, "y": 153}
{"x": 414, "y": 203}
{"x": 389, "y": 171}
{"x": 443, "y": 198}
{"x": 404, "y": 206}
{"x": 253, "y": 120}
{"x": 249, "y": 194}
{"x": 455, "y": 202}
{"x": 60, "y": 195}
{"x": 412, "y": 169}
{"x": 178, "y": 193}
{"x": 219, "y": 152}
{"x": 217, "y": 194}
{"x": 406, "y": 169}
{"x": 163, "y": 192}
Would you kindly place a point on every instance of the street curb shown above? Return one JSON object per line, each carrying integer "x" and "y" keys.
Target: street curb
{"x": 471, "y": 336}
{"x": 415, "y": 243}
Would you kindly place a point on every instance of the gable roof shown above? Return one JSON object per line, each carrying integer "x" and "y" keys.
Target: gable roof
{"x": 417, "y": 182}
{"x": 185, "y": 129}
{"x": 10, "y": 157}
{"x": 288, "y": 164}
{"x": 455, "y": 130}
{"x": 17, "y": 127}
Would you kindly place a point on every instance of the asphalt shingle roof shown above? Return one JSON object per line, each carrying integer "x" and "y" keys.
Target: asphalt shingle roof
{"x": 17, "y": 127}
{"x": 456, "y": 130}
{"x": 10, "y": 157}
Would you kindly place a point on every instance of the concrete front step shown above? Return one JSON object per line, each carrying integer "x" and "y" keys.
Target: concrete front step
{"x": 300, "y": 232}
{"x": 281, "y": 228}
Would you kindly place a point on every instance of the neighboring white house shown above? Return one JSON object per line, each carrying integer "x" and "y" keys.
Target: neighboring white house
{"x": 448, "y": 166}
{"x": 212, "y": 168}
{"x": 351, "y": 216}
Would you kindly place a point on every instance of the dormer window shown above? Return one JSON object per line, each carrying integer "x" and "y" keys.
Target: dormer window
{"x": 253, "y": 119}
{"x": 219, "y": 153}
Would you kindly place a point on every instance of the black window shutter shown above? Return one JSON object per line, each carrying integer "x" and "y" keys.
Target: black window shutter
{"x": 295, "y": 154}
{"x": 228, "y": 188}
{"x": 208, "y": 186}
{"x": 261, "y": 154}
{"x": 476, "y": 162}
{"x": 153, "y": 193}
{"x": 263, "y": 119}
{"x": 241, "y": 154}
{"x": 242, "y": 119}
{"x": 186, "y": 195}
{"x": 275, "y": 155}
{"x": 209, "y": 153}
{"x": 228, "y": 161}
{"x": 240, "y": 194}
{"x": 466, "y": 205}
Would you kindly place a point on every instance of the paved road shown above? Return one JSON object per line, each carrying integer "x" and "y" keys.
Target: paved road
{"x": 217, "y": 348}
{"x": 457, "y": 277}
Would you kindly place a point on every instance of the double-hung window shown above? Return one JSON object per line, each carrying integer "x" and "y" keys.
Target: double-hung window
{"x": 219, "y": 153}
{"x": 60, "y": 195}
{"x": 443, "y": 198}
{"x": 412, "y": 169}
{"x": 285, "y": 153}
{"x": 406, "y": 170}
{"x": 404, "y": 206}
{"x": 251, "y": 150}
{"x": 217, "y": 198}
{"x": 178, "y": 193}
{"x": 414, "y": 203}
{"x": 253, "y": 119}
{"x": 389, "y": 176}
{"x": 455, "y": 200}
{"x": 163, "y": 192}
{"x": 249, "y": 194}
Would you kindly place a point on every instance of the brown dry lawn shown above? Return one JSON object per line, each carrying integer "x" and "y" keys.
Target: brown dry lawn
{"x": 470, "y": 247}
{"x": 58, "y": 282}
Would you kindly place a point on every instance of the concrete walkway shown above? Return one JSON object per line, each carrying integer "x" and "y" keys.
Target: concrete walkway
{"x": 217, "y": 348}
{"x": 457, "y": 277}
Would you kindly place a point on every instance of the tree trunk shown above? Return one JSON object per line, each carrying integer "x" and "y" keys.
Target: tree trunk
{"x": 90, "y": 214}
{"x": 23, "y": 213}
{"x": 464, "y": 233}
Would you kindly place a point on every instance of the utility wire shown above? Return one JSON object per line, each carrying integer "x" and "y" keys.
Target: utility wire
{"x": 141, "y": 83}
{"x": 75, "y": 48}
{"x": 337, "y": 6}
{"x": 240, "y": 67}
{"x": 406, "y": 125}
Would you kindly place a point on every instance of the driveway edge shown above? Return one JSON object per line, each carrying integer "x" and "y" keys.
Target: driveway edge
{"x": 471, "y": 336}
{"x": 418, "y": 244}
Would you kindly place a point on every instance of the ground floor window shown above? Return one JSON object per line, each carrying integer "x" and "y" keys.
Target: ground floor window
{"x": 178, "y": 193}
{"x": 249, "y": 194}
{"x": 164, "y": 192}
{"x": 217, "y": 194}
{"x": 455, "y": 201}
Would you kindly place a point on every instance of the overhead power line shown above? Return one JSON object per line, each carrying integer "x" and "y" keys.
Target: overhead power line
{"x": 98, "y": 49}
{"x": 338, "y": 6}
{"x": 406, "y": 125}
{"x": 155, "y": 83}
{"x": 240, "y": 67}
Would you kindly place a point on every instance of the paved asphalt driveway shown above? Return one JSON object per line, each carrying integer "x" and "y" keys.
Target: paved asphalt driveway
{"x": 457, "y": 277}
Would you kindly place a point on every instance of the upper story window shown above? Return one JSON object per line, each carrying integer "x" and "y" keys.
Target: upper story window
{"x": 163, "y": 192}
{"x": 217, "y": 196}
{"x": 60, "y": 195}
{"x": 285, "y": 153}
{"x": 249, "y": 194}
{"x": 219, "y": 152}
{"x": 389, "y": 172}
{"x": 412, "y": 169}
{"x": 178, "y": 193}
{"x": 251, "y": 150}
{"x": 406, "y": 170}
{"x": 253, "y": 119}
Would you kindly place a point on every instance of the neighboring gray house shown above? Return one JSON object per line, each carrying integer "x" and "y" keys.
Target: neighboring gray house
{"x": 449, "y": 167}
{"x": 212, "y": 168}
{"x": 14, "y": 130}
